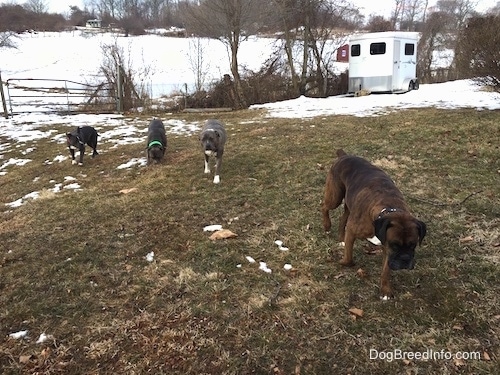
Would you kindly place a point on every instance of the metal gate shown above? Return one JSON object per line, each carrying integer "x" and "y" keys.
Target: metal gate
{"x": 59, "y": 96}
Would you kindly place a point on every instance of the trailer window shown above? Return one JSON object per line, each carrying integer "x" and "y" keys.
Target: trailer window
{"x": 355, "y": 50}
{"x": 409, "y": 49}
{"x": 377, "y": 48}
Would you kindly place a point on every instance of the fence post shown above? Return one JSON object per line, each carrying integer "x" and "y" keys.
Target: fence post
{"x": 4, "y": 103}
{"x": 67, "y": 95}
{"x": 119, "y": 89}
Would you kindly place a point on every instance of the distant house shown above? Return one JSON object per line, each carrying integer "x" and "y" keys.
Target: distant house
{"x": 93, "y": 24}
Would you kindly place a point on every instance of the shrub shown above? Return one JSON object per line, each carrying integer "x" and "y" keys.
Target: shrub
{"x": 477, "y": 52}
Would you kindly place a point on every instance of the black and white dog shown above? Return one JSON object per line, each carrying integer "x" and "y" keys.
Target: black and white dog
{"x": 77, "y": 139}
{"x": 157, "y": 141}
{"x": 213, "y": 138}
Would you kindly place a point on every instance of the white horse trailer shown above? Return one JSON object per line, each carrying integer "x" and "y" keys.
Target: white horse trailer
{"x": 383, "y": 62}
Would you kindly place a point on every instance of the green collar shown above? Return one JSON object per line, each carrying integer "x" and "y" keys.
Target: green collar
{"x": 155, "y": 143}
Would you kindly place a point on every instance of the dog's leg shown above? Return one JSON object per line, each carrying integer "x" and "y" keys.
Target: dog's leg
{"x": 385, "y": 281}
{"x": 207, "y": 167}
{"x": 342, "y": 224}
{"x": 72, "y": 153}
{"x": 327, "y": 204}
{"x": 218, "y": 163}
{"x": 327, "y": 223}
{"x": 348, "y": 248}
{"x": 82, "y": 152}
{"x": 333, "y": 196}
{"x": 93, "y": 144}
{"x": 331, "y": 200}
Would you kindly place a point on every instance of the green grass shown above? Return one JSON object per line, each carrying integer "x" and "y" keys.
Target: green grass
{"x": 73, "y": 264}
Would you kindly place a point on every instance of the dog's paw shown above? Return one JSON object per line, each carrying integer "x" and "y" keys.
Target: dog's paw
{"x": 80, "y": 164}
{"x": 216, "y": 179}
{"x": 386, "y": 298}
{"x": 74, "y": 162}
{"x": 341, "y": 244}
{"x": 346, "y": 263}
{"x": 206, "y": 171}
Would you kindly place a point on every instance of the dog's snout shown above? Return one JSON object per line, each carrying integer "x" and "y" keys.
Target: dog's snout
{"x": 405, "y": 257}
{"x": 402, "y": 261}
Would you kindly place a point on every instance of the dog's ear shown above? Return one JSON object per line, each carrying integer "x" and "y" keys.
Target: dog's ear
{"x": 422, "y": 230}
{"x": 381, "y": 226}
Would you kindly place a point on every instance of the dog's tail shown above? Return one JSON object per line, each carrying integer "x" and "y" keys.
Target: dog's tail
{"x": 340, "y": 152}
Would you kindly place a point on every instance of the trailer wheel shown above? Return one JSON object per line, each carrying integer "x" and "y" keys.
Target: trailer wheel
{"x": 416, "y": 85}
{"x": 411, "y": 86}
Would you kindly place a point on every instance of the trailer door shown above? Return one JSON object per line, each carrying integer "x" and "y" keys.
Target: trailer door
{"x": 396, "y": 75}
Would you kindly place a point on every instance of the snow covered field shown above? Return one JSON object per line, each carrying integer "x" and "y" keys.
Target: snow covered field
{"x": 77, "y": 56}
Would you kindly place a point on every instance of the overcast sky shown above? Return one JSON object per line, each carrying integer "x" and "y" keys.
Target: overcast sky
{"x": 367, "y": 7}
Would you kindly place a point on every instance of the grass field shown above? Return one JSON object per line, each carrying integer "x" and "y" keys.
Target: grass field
{"x": 73, "y": 264}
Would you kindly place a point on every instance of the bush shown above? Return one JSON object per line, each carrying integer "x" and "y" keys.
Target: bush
{"x": 270, "y": 84}
{"x": 477, "y": 53}
{"x": 117, "y": 70}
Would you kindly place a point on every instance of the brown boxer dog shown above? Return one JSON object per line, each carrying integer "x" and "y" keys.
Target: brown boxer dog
{"x": 373, "y": 206}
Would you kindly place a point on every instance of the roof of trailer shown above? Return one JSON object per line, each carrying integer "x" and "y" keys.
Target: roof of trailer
{"x": 386, "y": 35}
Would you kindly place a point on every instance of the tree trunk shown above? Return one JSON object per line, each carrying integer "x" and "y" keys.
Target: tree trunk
{"x": 305, "y": 57}
{"x": 240, "y": 95}
{"x": 289, "y": 56}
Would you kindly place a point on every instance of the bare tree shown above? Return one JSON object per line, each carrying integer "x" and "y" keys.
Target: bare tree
{"x": 153, "y": 10}
{"x": 6, "y": 39}
{"x": 379, "y": 23}
{"x": 414, "y": 11}
{"x": 37, "y": 6}
{"x": 477, "y": 54}
{"x": 459, "y": 10}
{"x": 307, "y": 31}
{"x": 198, "y": 63}
{"x": 407, "y": 14}
{"x": 397, "y": 12}
{"x": 118, "y": 71}
{"x": 432, "y": 39}
{"x": 105, "y": 7}
{"x": 230, "y": 21}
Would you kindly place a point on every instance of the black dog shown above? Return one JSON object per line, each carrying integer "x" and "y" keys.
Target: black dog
{"x": 77, "y": 140}
{"x": 157, "y": 141}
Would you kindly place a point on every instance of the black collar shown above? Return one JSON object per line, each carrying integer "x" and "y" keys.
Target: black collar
{"x": 386, "y": 211}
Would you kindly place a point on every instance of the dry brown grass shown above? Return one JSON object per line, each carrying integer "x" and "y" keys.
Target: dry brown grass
{"x": 73, "y": 264}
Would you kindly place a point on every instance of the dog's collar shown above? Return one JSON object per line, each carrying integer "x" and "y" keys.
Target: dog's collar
{"x": 155, "y": 143}
{"x": 386, "y": 211}
{"x": 79, "y": 139}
